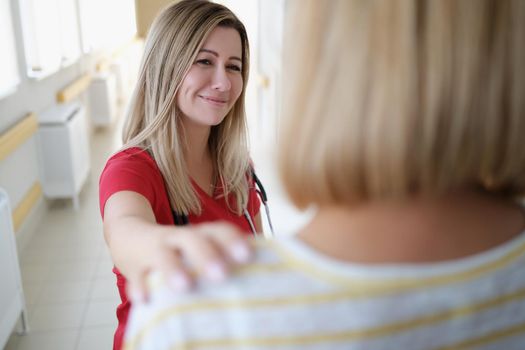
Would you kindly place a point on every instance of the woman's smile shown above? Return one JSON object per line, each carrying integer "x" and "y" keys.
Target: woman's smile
{"x": 214, "y": 101}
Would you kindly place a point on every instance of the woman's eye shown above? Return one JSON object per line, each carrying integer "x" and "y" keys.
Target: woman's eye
{"x": 204, "y": 62}
{"x": 234, "y": 67}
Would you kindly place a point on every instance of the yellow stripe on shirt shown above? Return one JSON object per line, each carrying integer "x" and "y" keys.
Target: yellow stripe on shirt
{"x": 350, "y": 335}
{"x": 487, "y": 338}
{"x": 396, "y": 284}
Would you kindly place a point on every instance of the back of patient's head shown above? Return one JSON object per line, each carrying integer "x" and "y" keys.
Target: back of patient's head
{"x": 385, "y": 99}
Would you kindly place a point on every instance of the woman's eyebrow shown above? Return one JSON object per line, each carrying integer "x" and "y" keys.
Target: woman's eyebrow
{"x": 214, "y": 53}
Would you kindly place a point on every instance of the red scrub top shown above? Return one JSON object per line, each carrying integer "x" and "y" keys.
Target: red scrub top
{"x": 135, "y": 170}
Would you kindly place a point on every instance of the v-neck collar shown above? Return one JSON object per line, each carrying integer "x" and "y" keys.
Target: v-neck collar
{"x": 217, "y": 189}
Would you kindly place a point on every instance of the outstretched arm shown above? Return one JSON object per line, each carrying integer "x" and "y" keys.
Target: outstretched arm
{"x": 139, "y": 245}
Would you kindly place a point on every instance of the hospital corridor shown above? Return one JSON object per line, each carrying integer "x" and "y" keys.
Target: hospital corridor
{"x": 262, "y": 174}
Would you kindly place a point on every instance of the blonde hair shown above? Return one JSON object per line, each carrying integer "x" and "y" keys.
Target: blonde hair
{"x": 153, "y": 122}
{"x": 391, "y": 98}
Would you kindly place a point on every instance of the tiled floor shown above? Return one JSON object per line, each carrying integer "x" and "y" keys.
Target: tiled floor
{"x": 66, "y": 268}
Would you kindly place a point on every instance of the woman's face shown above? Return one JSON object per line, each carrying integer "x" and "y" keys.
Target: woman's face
{"x": 214, "y": 81}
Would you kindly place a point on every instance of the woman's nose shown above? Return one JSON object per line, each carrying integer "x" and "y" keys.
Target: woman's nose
{"x": 221, "y": 80}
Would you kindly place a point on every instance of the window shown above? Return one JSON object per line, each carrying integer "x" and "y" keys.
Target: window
{"x": 51, "y": 37}
{"x": 106, "y": 24}
{"x": 8, "y": 59}
{"x": 69, "y": 31}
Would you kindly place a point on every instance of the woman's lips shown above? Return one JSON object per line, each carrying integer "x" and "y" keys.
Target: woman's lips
{"x": 215, "y": 101}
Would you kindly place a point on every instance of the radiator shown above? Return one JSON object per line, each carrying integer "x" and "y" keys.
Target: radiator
{"x": 12, "y": 302}
{"x": 103, "y": 99}
{"x": 64, "y": 151}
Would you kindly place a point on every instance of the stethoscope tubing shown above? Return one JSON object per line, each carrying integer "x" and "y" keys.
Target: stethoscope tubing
{"x": 268, "y": 219}
{"x": 181, "y": 219}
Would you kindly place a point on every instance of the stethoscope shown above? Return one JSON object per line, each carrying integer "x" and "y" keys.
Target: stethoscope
{"x": 259, "y": 188}
{"x": 182, "y": 219}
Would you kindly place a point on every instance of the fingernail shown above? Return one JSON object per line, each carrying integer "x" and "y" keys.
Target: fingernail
{"x": 240, "y": 253}
{"x": 179, "y": 282}
{"x": 216, "y": 272}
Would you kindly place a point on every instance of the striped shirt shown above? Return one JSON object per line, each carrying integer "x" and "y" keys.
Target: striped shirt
{"x": 292, "y": 297}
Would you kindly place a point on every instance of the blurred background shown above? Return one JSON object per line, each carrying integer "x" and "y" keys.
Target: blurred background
{"x": 67, "y": 69}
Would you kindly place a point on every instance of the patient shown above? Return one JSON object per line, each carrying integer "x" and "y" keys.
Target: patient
{"x": 403, "y": 125}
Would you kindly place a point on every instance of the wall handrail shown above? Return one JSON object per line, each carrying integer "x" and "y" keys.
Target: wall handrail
{"x": 11, "y": 141}
{"x": 26, "y": 204}
{"x": 74, "y": 89}
{"x": 17, "y": 135}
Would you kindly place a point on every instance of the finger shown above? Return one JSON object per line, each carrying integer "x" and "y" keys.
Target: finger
{"x": 169, "y": 264}
{"x": 199, "y": 253}
{"x": 230, "y": 240}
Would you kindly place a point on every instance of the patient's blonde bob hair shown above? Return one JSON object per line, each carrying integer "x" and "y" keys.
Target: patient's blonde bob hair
{"x": 391, "y": 98}
{"x": 154, "y": 123}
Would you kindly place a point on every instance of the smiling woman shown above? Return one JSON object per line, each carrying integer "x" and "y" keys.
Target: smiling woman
{"x": 185, "y": 156}
{"x": 214, "y": 82}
